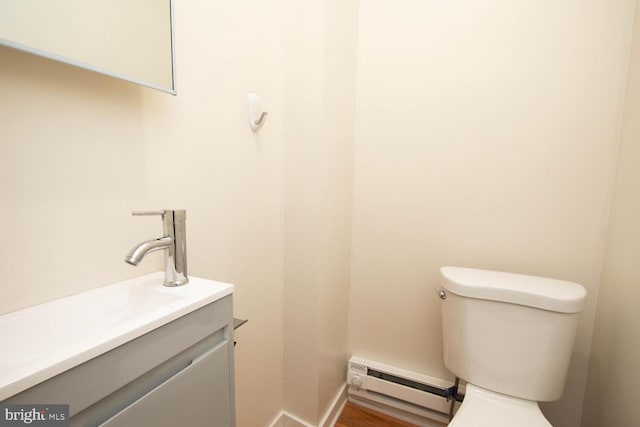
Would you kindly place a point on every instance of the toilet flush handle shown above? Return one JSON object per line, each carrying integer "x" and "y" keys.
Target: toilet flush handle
{"x": 441, "y": 293}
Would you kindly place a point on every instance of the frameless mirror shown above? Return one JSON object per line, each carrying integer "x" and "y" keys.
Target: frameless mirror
{"x": 127, "y": 39}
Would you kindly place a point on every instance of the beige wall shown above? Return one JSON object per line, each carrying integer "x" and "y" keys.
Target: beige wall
{"x": 319, "y": 134}
{"x": 340, "y": 40}
{"x": 303, "y": 142}
{"x": 79, "y": 151}
{"x": 611, "y": 397}
{"x": 486, "y": 136}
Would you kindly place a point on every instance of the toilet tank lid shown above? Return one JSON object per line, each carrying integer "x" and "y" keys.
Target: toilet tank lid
{"x": 539, "y": 292}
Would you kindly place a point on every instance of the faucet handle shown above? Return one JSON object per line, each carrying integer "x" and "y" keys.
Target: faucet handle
{"x": 148, "y": 213}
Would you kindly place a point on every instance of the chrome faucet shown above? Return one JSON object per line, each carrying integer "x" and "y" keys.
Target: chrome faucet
{"x": 173, "y": 242}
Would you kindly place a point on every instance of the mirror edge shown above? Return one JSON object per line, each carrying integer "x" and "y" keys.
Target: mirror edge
{"x": 172, "y": 90}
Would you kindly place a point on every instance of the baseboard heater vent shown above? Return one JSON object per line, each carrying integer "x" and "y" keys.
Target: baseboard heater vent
{"x": 404, "y": 394}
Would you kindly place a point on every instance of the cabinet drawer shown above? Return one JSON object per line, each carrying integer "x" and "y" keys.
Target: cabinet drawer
{"x": 199, "y": 395}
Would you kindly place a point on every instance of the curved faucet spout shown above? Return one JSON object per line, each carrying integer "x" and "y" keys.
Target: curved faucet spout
{"x": 140, "y": 251}
{"x": 175, "y": 243}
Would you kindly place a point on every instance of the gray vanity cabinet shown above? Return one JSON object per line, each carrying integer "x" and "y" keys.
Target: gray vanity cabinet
{"x": 180, "y": 374}
{"x": 194, "y": 397}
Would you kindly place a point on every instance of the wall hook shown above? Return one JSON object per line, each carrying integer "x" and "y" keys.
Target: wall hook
{"x": 256, "y": 116}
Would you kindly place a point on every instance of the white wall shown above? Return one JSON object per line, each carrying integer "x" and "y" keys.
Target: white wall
{"x": 319, "y": 134}
{"x": 611, "y": 397}
{"x": 486, "y": 136}
{"x": 79, "y": 151}
{"x": 341, "y": 30}
{"x": 302, "y": 204}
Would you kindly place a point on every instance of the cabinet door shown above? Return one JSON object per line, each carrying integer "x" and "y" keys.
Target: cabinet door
{"x": 199, "y": 395}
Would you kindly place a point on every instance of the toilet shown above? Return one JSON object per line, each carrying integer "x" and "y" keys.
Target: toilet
{"x": 510, "y": 337}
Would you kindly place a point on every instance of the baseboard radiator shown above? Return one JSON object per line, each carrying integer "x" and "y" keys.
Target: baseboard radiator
{"x": 413, "y": 397}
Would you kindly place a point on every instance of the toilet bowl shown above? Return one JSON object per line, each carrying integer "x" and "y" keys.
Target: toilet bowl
{"x": 510, "y": 337}
{"x": 484, "y": 408}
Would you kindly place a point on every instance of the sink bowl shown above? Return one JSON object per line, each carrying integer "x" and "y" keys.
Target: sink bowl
{"x": 45, "y": 340}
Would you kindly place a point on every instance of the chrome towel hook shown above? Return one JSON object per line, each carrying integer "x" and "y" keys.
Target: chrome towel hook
{"x": 256, "y": 116}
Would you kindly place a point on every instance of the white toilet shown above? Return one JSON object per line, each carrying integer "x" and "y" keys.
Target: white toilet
{"x": 510, "y": 337}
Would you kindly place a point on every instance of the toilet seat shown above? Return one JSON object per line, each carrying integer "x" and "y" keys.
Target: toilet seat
{"x": 485, "y": 408}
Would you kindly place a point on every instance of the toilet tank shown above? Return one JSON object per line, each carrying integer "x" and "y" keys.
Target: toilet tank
{"x": 509, "y": 333}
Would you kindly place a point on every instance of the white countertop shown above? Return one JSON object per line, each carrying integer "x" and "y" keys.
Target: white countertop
{"x": 43, "y": 341}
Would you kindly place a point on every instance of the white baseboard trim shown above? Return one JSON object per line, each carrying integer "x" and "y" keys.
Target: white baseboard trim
{"x": 291, "y": 420}
{"x": 335, "y": 409}
{"x": 278, "y": 420}
{"x": 285, "y": 419}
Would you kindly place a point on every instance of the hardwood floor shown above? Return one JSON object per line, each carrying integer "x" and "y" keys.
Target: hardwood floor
{"x": 357, "y": 416}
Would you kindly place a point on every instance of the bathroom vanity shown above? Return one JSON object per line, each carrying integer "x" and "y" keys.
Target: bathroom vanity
{"x": 133, "y": 353}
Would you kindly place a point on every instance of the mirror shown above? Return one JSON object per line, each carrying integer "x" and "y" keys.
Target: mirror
{"x": 128, "y": 39}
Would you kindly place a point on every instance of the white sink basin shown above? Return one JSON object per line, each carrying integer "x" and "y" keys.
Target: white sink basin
{"x": 42, "y": 341}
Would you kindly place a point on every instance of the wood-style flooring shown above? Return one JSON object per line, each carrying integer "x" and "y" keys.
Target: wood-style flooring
{"x": 357, "y": 416}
